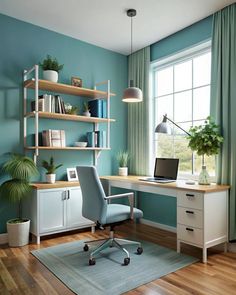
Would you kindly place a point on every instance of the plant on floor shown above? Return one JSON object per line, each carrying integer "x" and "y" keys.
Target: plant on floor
{"x": 50, "y": 63}
{"x": 21, "y": 169}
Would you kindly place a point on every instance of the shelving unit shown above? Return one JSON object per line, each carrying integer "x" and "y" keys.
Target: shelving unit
{"x": 36, "y": 84}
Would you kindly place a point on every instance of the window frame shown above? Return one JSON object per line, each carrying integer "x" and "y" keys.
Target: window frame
{"x": 164, "y": 62}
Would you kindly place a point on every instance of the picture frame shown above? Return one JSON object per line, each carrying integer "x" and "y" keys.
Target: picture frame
{"x": 76, "y": 81}
{"x": 72, "y": 174}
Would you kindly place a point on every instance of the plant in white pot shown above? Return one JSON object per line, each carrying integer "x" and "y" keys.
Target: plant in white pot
{"x": 20, "y": 169}
{"x": 51, "y": 68}
{"x": 123, "y": 158}
{"x": 51, "y": 169}
{"x": 86, "y": 111}
{"x": 205, "y": 140}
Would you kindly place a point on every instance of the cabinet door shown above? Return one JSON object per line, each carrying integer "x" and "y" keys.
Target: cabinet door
{"x": 74, "y": 209}
{"x": 52, "y": 210}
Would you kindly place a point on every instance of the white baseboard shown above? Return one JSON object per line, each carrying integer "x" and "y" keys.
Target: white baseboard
{"x": 158, "y": 225}
{"x": 3, "y": 238}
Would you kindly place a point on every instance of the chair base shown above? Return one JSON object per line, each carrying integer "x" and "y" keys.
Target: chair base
{"x": 112, "y": 242}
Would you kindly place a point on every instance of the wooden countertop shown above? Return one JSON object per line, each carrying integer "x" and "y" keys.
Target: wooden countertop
{"x": 57, "y": 184}
{"x": 179, "y": 184}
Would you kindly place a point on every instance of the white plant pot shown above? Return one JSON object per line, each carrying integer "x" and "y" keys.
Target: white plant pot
{"x": 87, "y": 114}
{"x": 18, "y": 233}
{"x": 50, "y": 178}
{"x": 50, "y": 75}
{"x": 123, "y": 171}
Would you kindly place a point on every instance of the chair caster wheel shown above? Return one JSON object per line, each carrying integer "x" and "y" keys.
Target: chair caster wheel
{"x": 139, "y": 250}
{"x": 92, "y": 261}
{"x": 86, "y": 247}
{"x": 126, "y": 261}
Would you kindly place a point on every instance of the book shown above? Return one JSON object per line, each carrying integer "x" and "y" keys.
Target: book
{"x": 48, "y": 103}
{"x": 101, "y": 139}
{"x": 41, "y": 105}
{"x": 95, "y": 108}
{"x": 104, "y": 108}
{"x": 91, "y": 139}
{"x": 53, "y": 138}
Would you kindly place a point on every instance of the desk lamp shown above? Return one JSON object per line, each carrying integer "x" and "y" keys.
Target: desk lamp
{"x": 164, "y": 127}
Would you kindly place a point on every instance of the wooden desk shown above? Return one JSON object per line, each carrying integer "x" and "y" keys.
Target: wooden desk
{"x": 202, "y": 210}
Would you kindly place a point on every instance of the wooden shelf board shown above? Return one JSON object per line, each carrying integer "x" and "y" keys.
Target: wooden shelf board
{"x": 67, "y": 148}
{"x": 66, "y": 89}
{"x": 57, "y": 116}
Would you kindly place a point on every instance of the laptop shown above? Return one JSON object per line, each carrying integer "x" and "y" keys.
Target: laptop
{"x": 166, "y": 170}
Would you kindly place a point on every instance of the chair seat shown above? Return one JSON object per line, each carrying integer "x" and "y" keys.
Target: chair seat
{"x": 117, "y": 212}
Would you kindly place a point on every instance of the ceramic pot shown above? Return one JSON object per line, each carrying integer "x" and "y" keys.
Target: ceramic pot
{"x": 204, "y": 177}
{"x": 123, "y": 171}
{"x": 50, "y": 178}
{"x": 50, "y": 75}
{"x": 18, "y": 233}
{"x": 87, "y": 114}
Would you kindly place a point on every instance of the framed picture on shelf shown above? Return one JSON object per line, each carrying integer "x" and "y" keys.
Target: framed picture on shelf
{"x": 72, "y": 174}
{"x": 75, "y": 81}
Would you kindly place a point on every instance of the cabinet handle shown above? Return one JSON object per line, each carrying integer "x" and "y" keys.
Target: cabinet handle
{"x": 68, "y": 194}
{"x": 189, "y": 212}
{"x": 63, "y": 195}
{"x": 189, "y": 229}
{"x": 190, "y": 195}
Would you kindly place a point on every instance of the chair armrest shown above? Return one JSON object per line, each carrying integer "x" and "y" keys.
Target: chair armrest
{"x": 131, "y": 201}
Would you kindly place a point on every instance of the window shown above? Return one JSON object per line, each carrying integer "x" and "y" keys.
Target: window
{"x": 181, "y": 89}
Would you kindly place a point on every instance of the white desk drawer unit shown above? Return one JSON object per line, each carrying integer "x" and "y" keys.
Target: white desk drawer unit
{"x": 202, "y": 219}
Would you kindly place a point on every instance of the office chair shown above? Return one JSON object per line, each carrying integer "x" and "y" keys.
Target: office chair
{"x": 96, "y": 208}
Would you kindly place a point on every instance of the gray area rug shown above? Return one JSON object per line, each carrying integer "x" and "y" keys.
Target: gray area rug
{"x": 70, "y": 264}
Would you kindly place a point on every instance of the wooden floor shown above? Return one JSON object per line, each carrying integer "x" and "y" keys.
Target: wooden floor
{"x": 21, "y": 273}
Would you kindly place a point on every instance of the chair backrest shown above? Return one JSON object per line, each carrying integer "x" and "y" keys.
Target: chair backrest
{"x": 94, "y": 205}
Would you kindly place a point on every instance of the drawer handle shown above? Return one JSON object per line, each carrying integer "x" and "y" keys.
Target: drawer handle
{"x": 189, "y": 229}
{"x": 189, "y": 212}
{"x": 190, "y": 195}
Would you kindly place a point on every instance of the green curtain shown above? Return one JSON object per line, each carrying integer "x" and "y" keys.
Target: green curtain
{"x": 138, "y": 114}
{"x": 223, "y": 101}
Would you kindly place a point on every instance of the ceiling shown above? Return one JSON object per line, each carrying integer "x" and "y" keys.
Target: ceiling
{"x": 104, "y": 22}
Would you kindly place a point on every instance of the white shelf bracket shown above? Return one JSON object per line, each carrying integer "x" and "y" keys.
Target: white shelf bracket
{"x": 96, "y": 155}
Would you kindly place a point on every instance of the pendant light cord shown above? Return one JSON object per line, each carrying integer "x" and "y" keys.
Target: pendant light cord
{"x": 131, "y": 35}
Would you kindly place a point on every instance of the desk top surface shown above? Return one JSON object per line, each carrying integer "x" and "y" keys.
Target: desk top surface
{"x": 179, "y": 184}
{"x": 57, "y": 184}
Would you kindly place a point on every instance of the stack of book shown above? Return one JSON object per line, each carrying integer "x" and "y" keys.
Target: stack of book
{"x": 98, "y": 108}
{"x": 54, "y": 138}
{"x": 49, "y": 103}
{"x": 96, "y": 139}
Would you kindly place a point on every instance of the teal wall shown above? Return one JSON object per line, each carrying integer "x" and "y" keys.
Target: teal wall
{"x": 162, "y": 209}
{"x": 21, "y": 46}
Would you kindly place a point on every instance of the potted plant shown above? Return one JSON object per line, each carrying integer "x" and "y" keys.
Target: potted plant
{"x": 123, "y": 158}
{"x": 51, "y": 168}
{"x": 71, "y": 110}
{"x": 86, "y": 110}
{"x": 20, "y": 169}
{"x": 51, "y": 68}
{"x": 205, "y": 140}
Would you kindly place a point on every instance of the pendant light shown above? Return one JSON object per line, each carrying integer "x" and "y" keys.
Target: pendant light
{"x": 132, "y": 94}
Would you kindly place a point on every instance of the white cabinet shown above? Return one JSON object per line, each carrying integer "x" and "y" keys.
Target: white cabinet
{"x": 202, "y": 219}
{"x": 55, "y": 210}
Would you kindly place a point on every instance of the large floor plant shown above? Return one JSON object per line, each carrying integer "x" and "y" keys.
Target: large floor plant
{"x": 20, "y": 169}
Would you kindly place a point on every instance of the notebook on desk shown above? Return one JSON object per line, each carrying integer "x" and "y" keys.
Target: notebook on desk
{"x": 165, "y": 171}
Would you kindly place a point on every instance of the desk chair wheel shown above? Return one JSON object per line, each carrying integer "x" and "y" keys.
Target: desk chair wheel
{"x": 139, "y": 250}
{"x": 92, "y": 261}
{"x": 86, "y": 247}
{"x": 126, "y": 261}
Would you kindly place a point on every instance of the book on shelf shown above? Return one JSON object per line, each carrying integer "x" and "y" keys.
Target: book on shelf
{"x": 96, "y": 139}
{"x": 41, "y": 105}
{"x": 53, "y": 138}
{"x": 50, "y": 104}
{"x": 98, "y": 108}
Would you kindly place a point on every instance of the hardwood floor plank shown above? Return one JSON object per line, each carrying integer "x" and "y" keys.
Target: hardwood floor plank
{"x": 22, "y": 274}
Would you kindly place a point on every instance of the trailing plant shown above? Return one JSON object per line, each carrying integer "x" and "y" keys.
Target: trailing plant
{"x": 20, "y": 168}
{"x": 50, "y": 63}
{"x": 123, "y": 158}
{"x": 205, "y": 139}
{"x": 50, "y": 166}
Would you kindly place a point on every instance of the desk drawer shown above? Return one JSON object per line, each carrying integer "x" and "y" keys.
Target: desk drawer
{"x": 190, "y": 217}
{"x": 190, "y": 199}
{"x": 190, "y": 234}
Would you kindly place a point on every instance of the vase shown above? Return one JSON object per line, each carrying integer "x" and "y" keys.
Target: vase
{"x": 50, "y": 75}
{"x": 204, "y": 177}
{"x": 50, "y": 178}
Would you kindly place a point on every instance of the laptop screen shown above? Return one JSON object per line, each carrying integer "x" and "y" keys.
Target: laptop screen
{"x": 166, "y": 168}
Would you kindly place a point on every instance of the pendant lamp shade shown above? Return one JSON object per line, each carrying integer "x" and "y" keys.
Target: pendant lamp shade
{"x": 132, "y": 94}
